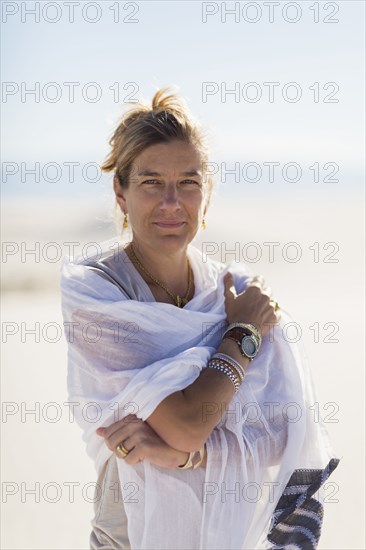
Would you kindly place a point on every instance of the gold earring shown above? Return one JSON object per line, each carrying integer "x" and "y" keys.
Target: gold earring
{"x": 125, "y": 221}
{"x": 203, "y": 224}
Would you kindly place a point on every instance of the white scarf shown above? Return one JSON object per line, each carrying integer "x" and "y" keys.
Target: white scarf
{"x": 145, "y": 350}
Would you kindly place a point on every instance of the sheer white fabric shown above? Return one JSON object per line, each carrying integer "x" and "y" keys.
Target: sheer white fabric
{"x": 126, "y": 355}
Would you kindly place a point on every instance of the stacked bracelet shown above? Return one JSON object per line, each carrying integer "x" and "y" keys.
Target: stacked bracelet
{"x": 237, "y": 366}
{"x": 223, "y": 366}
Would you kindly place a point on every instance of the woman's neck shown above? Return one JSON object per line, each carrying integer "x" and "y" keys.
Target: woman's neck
{"x": 170, "y": 270}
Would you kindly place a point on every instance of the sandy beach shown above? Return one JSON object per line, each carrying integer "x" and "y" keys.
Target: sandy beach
{"x": 47, "y": 478}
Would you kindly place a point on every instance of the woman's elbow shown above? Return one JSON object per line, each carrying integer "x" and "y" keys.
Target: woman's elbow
{"x": 181, "y": 433}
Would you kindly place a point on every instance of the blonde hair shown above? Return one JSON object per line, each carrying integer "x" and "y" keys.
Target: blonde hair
{"x": 167, "y": 119}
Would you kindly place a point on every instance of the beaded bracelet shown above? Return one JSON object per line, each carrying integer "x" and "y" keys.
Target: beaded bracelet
{"x": 227, "y": 365}
{"x": 237, "y": 366}
{"x": 224, "y": 363}
{"x": 218, "y": 365}
{"x": 229, "y": 373}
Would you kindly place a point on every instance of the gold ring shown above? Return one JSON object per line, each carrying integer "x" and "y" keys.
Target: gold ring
{"x": 121, "y": 450}
{"x": 276, "y": 305}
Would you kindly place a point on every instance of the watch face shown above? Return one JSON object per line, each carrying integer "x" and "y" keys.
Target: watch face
{"x": 248, "y": 346}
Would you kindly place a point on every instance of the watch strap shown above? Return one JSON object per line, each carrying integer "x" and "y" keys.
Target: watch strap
{"x": 248, "y": 327}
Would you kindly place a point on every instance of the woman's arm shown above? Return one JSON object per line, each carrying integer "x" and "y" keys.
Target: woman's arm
{"x": 143, "y": 444}
{"x": 185, "y": 419}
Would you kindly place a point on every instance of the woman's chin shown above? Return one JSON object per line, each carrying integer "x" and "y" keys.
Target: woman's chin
{"x": 171, "y": 243}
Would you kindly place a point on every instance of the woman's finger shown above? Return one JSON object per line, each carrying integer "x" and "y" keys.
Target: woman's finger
{"x": 131, "y": 437}
{"x": 129, "y": 440}
{"x": 229, "y": 287}
{"x": 133, "y": 457}
{"x": 106, "y": 431}
{"x": 257, "y": 280}
{"x": 130, "y": 423}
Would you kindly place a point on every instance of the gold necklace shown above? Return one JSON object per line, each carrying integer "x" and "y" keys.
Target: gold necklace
{"x": 180, "y": 302}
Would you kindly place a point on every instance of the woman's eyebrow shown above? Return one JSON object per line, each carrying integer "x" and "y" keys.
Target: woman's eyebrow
{"x": 156, "y": 174}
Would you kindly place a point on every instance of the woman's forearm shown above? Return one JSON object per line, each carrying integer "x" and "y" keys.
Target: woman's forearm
{"x": 185, "y": 419}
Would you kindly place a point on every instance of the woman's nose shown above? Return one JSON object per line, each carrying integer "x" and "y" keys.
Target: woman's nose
{"x": 170, "y": 196}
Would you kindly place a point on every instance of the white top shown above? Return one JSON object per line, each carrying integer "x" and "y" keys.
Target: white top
{"x": 128, "y": 352}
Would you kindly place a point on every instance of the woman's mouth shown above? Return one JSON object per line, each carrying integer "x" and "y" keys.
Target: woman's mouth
{"x": 170, "y": 225}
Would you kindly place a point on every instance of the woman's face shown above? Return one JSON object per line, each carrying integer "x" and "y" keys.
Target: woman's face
{"x": 166, "y": 198}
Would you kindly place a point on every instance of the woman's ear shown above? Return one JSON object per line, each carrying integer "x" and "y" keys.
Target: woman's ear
{"x": 120, "y": 198}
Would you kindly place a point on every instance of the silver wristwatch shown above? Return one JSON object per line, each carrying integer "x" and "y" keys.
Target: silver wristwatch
{"x": 246, "y": 336}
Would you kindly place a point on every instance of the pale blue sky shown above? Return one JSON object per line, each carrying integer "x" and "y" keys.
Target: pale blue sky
{"x": 170, "y": 45}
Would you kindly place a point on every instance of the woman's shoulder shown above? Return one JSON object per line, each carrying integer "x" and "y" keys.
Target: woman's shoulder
{"x": 97, "y": 252}
{"x": 86, "y": 273}
{"x": 216, "y": 268}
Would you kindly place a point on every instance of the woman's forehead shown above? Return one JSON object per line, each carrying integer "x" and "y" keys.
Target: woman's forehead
{"x": 161, "y": 159}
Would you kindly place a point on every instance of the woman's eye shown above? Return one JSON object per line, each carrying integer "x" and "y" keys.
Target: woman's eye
{"x": 151, "y": 183}
{"x": 190, "y": 181}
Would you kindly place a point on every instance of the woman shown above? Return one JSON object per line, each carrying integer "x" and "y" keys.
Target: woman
{"x": 194, "y": 407}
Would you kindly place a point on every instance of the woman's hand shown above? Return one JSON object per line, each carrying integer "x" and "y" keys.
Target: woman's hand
{"x": 251, "y": 306}
{"x": 142, "y": 443}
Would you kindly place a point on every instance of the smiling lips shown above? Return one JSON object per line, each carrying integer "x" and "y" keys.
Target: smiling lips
{"x": 170, "y": 224}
